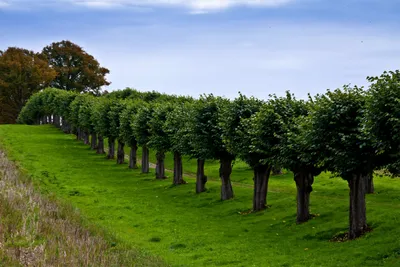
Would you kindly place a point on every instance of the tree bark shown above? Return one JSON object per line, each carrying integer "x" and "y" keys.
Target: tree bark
{"x": 357, "y": 218}
{"x": 370, "y": 188}
{"x": 261, "y": 178}
{"x": 132, "y": 157}
{"x": 304, "y": 181}
{"x": 111, "y": 148}
{"x": 145, "y": 159}
{"x": 160, "y": 168}
{"x": 100, "y": 145}
{"x": 178, "y": 169}
{"x": 120, "y": 153}
{"x": 86, "y": 137}
{"x": 225, "y": 171}
{"x": 93, "y": 143}
{"x": 201, "y": 179}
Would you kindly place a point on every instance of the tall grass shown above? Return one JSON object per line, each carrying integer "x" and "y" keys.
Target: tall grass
{"x": 39, "y": 231}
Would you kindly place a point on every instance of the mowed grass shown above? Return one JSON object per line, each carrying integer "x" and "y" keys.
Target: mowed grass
{"x": 186, "y": 229}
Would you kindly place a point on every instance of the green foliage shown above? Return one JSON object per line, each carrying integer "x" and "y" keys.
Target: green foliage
{"x": 126, "y": 117}
{"x": 177, "y": 128}
{"x": 62, "y": 101}
{"x": 159, "y": 138}
{"x": 100, "y": 116}
{"x": 260, "y": 137}
{"x": 151, "y": 96}
{"x": 85, "y": 113}
{"x": 296, "y": 146}
{"x": 230, "y": 117}
{"x": 116, "y": 108}
{"x": 140, "y": 124}
{"x": 339, "y": 134}
{"x": 46, "y": 102}
{"x": 204, "y": 131}
{"x": 74, "y": 109}
{"x": 383, "y": 117}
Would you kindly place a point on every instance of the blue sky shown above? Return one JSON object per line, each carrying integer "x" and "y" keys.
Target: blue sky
{"x": 257, "y": 47}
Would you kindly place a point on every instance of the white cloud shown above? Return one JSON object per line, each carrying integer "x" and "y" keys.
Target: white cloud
{"x": 196, "y": 6}
{"x": 4, "y": 4}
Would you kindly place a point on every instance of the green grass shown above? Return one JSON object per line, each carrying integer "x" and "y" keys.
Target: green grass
{"x": 186, "y": 229}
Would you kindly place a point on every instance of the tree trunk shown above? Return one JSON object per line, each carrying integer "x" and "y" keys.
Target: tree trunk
{"x": 145, "y": 159}
{"x": 100, "y": 145}
{"x": 276, "y": 170}
{"x": 370, "y": 189}
{"x": 178, "y": 169}
{"x": 358, "y": 218}
{"x": 120, "y": 153}
{"x": 201, "y": 179}
{"x": 225, "y": 171}
{"x": 261, "y": 178}
{"x": 160, "y": 168}
{"x": 304, "y": 181}
{"x": 132, "y": 157}
{"x": 111, "y": 148}
{"x": 78, "y": 134}
{"x": 93, "y": 143}
{"x": 55, "y": 120}
{"x": 86, "y": 137}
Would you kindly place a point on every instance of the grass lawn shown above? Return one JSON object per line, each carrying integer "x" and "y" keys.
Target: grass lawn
{"x": 186, "y": 229}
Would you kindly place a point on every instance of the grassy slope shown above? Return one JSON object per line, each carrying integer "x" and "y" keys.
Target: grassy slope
{"x": 187, "y": 229}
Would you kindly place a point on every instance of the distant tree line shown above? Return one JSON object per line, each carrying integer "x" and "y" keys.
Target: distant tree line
{"x": 62, "y": 65}
{"x": 349, "y": 132}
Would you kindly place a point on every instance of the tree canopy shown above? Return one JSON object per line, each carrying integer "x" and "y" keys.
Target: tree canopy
{"x": 76, "y": 69}
{"x": 22, "y": 73}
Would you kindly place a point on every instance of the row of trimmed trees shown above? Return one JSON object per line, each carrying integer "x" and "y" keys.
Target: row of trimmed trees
{"x": 350, "y": 132}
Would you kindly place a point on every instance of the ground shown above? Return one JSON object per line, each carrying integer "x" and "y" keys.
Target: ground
{"x": 186, "y": 229}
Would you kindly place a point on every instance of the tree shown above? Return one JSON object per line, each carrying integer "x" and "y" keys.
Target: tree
{"x": 76, "y": 69}
{"x": 61, "y": 103}
{"x": 127, "y": 132}
{"x": 231, "y": 116}
{"x": 32, "y": 112}
{"x": 176, "y": 128}
{"x": 296, "y": 151}
{"x": 258, "y": 146}
{"x": 158, "y": 138}
{"x": 205, "y": 137}
{"x": 85, "y": 119}
{"x": 102, "y": 126}
{"x": 141, "y": 130}
{"x": 383, "y": 119}
{"x": 114, "y": 132}
{"x": 22, "y": 73}
{"x": 339, "y": 134}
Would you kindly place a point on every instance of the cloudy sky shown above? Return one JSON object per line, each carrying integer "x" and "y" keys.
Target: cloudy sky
{"x": 190, "y": 47}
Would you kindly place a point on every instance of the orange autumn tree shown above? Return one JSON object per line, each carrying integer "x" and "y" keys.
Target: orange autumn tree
{"x": 22, "y": 73}
{"x": 76, "y": 70}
